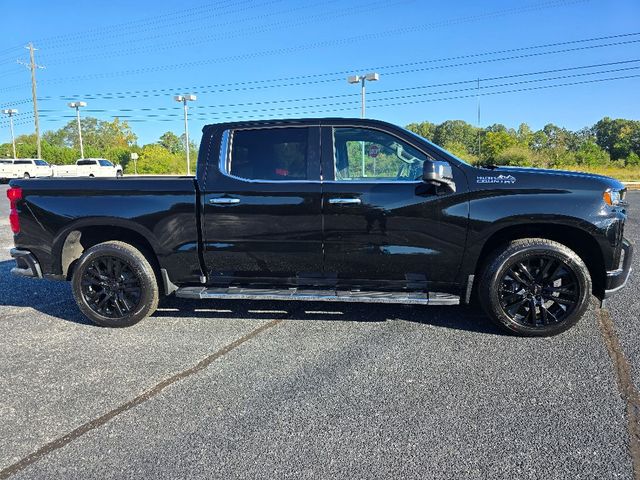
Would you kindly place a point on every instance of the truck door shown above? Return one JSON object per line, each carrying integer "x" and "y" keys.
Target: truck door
{"x": 262, "y": 218}
{"x": 382, "y": 224}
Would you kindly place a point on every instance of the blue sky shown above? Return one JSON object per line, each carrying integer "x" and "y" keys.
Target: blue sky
{"x": 285, "y": 58}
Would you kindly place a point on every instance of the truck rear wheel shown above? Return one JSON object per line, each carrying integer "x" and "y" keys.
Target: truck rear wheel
{"x": 114, "y": 285}
{"x": 535, "y": 287}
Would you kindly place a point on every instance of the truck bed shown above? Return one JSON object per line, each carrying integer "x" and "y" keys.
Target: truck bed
{"x": 161, "y": 210}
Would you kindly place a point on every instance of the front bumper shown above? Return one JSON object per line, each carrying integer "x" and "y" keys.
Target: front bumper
{"x": 617, "y": 279}
{"x": 26, "y": 264}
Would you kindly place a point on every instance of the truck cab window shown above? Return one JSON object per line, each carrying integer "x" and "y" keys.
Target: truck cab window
{"x": 269, "y": 154}
{"x": 368, "y": 155}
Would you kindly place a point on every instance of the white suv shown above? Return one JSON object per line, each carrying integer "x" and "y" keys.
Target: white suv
{"x": 24, "y": 168}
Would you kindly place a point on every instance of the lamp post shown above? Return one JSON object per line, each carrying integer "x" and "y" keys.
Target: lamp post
{"x": 77, "y": 106}
{"x": 184, "y": 99}
{"x": 11, "y": 113}
{"x": 361, "y": 79}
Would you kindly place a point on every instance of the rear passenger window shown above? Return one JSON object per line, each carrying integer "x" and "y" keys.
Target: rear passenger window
{"x": 269, "y": 154}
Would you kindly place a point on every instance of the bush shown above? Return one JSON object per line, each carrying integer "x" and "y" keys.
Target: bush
{"x": 459, "y": 150}
{"x": 518, "y": 156}
{"x": 590, "y": 154}
{"x": 155, "y": 159}
{"x": 632, "y": 160}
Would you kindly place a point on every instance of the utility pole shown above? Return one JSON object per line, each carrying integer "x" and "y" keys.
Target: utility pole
{"x": 11, "y": 113}
{"x": 32, "y": 66}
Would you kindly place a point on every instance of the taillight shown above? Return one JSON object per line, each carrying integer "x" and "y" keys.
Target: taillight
{"x": 14, "y": 194}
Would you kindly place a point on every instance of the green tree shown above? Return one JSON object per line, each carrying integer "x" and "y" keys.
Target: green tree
{"x": 424, "y": 129}
{"x": 495, "y": 142}
{"x": 171, "y": 142}
{"x": 99, "y": 134}
{"x": 458, "y": 132}
{"x": 590, "y": 154}
{"x": 157, "y": 159}
{"x": 460, "y": 151}
{"x": 619, "y": 137}
{"x": 517, "y": 155}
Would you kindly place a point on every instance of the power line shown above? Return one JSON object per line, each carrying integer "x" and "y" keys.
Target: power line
{"x": 172, "y": 18}
{"x": 195, "y": 108}
{"x": 367, "y": 36}
{"x": 110, "y": 30}
{"x": 349, "y": 105}
{"x": 208, "y": 27}
{"x": 393, "y": 104}
{"x": 456, "y": 97}
{"x": 258, "y": 84}
{"x": 539, "y": 6}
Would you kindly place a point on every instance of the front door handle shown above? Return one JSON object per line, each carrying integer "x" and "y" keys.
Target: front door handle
{"x": 224, "y": 200}
{"x": 345, "y": 201}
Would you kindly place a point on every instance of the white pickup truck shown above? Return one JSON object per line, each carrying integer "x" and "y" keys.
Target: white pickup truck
{"x": 88, "y": 167}
{"x": 24, "y": 168}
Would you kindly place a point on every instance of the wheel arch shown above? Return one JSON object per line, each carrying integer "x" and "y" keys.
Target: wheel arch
{"x": 577, "y": 239}
{"x": 73, "y": 241}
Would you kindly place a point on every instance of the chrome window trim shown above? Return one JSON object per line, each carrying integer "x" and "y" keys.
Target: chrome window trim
{"x": 226, "y": 146}
{"x": 375, "y": 181}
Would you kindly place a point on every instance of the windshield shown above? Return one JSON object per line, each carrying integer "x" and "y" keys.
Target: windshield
{"x": 42, "y": 163}
{"x": 105, "y": 163}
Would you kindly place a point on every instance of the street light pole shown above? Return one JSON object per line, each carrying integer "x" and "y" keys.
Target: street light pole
{"x": 77, "y": 106}
{"x": 361, "y": 79}
{"x": 184, "y": 99}
{"x": 11, "y": 113}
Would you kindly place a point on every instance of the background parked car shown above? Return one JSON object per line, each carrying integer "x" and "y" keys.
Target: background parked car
{"x": 24, "y": 168}
{"x": 88, "y": 167}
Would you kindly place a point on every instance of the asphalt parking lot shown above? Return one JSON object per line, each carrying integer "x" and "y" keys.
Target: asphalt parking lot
{"x": 310, "y": 390}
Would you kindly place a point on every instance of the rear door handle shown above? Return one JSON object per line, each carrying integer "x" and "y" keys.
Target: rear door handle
{"x": 345, "y": 201}
{"x": 224, "y": 200}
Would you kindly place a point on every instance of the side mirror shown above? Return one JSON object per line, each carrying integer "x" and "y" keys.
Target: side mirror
{"x": 438, "y": 174}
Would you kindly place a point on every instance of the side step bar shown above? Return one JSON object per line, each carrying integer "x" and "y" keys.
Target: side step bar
{"x": 238, "y": 293}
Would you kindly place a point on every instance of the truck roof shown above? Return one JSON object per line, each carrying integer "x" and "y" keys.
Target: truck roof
{"x": 303, "y": 121}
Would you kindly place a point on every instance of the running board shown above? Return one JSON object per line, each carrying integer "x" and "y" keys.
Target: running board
{"x": 238, "y": 293}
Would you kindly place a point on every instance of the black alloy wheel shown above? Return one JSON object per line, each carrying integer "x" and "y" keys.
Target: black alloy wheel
{"x": 534, "y": 287}
{"x": 540, "y": 290}
{"x": 110, "y": 287}
{"x": 115, "y": 285}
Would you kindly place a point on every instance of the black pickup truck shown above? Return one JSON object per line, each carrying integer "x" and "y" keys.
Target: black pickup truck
{"x": 329, "y": 209}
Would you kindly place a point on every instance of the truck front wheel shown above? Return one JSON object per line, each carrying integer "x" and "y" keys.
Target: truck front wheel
{"x": 114, "y": 285}
{"x": 535, "y": 287}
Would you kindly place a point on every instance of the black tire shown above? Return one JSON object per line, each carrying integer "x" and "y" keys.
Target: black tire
{"x": 118, "y": 174}
{"x": 535, "y": 287}
{"x": 114, "y": 285}
{"x": 26, "y": 175}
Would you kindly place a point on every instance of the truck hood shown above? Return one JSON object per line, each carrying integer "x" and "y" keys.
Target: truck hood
{"x": 543, "y": 177}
